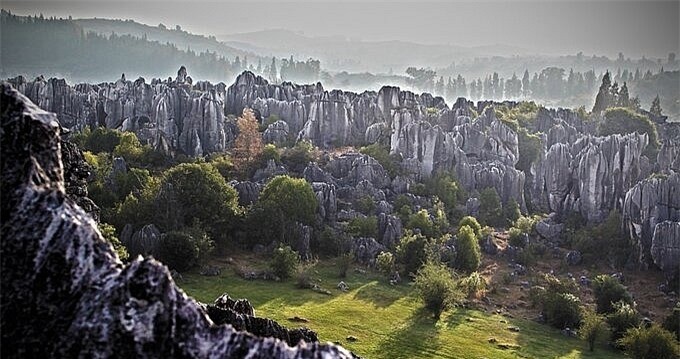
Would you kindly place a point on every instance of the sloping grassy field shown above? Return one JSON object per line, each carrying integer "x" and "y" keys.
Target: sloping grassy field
{"x": 388, "y": 320}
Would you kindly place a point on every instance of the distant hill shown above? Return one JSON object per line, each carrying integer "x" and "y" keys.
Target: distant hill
{"x": 182, "y": 39}
{"x": 34, "y": 46}
{"x": 339, "y": 53}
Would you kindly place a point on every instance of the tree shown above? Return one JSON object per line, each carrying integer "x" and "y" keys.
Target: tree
{"x": 623, "y": 120}
{"x": 284, "y": 262}
{"x": 624, "y": 98}
{"x": 248, "y": 144}
{"x": 284, "y": 201}
{"x": 490, "y": 209}
{"x": 192, "y": 192}
{"x": 469, "y": 255}
{"x": 607, "y": 291}
{"x": 511, "y": 211}
{"x": 592, "y": 328}
{"x": 672, "y": 321}
{"x": 109, "y": 234}
{"x": 563, "y": 310}
{"x": 655, "y": 109}
{"x": 178, "y": 250}
{"x": 422, "y": 221}
{"x": 436, "y": 287}
{"x": 472, "y": 223}
{"x": 385, "y": 263}
{"x": 650, "y": 342}
{"x": 623, "y": 318}
{"x": 603, "y": 100}
{"x": 411, "y": 251}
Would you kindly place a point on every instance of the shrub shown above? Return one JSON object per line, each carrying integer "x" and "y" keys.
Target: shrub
{"x": 100, "y": 140}
{"x": 283, "y": 202}
{"x": 592, "y": 328}
{"x": 516, "y": 237}
{"x": 298, "y": 157}
{"x": 366, "y": 205}
{"x": 444, "y": 186}
{"x": 473, "y": 285}
{"x": 270, "y": 152}
{"x": 363, "y": 227}
{"x": 385, "y": 263}
{"x": 672, "y": 321}
{"x": 621, "y": 319}
{"x": 530, "y": 147}
{"x": 109, "y": 234}
{"x": 178, "y": 250}
{"x": 422, "y": 221}
{"x": 526, "y": 224}
{"x": 223, "y": 164}
{"x": 381, "y": 154}
{"x": 653, "y": 342}
{"x": 411, "y": 251}
{"x": 469, "y": 255}
{"x": 623, "y": 120}
{"x": 511, "y": 211}
{"x": 562, "y": 310}
{"x": 435, "y": 287}
{"x": 328, "y": 242}
{"x": 284, "y": 262}
{"x": 607, "y": 291}
{"x": 472, "y": 223}
{"x": 344, "y": 263}
{"x": 490, "y": 209}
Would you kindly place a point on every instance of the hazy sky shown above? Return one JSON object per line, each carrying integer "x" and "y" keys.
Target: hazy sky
{"x": 636, "y": 28}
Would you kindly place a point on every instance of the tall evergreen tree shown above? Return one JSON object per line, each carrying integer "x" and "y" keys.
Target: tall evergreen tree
{"x": 604, "y": 95}
{"x": 526, "y": 91}
{"x": 624, "y": 99}
{"x": 656, "y": 107}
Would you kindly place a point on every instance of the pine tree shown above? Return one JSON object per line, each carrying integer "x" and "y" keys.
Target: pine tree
{"x": 624, "y": 99}
{"x": 604, "y": 95}
{"x": 526, "y": 91}
{"x": 656, "y": 107}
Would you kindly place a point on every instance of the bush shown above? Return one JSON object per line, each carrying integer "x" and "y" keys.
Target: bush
{"x": 621, "y": 319}
{"x": 562, "y": 310}
{"x": 298, "y": 157}
{"x": 284, "y": 262}
{"x": 435, "y": 287}
{"x": 623, "y": 120}
{"x": 366, "y": 205}
{"x": 469, "y": 255}
{"x": 647, "y": 343}
{"x": 283, "y": 202}
{"x": 411, "y": 251}
{"x": 422, "y": 221}
{"x": 178, "y": 250}
{"x": 328, "y": 242}
{"x": 607, "y": 291}
{"x": 672, "y": 321}
{"x": 511, "y": 211}
{"x": 385, "y": 263}
{"x": 526, "y": 224}
{"x": 473, "y": 285}
{"x": 490, "y": 209}
{"x": 223, "y": 164}
{"x": 363, "y": 227}
{"x": 100, "y": 140}
{"x": 109, "y": 234}
{"x": 344, "y": 263}
{"x": 382, "y": 155}
{"x": 472, "y": 223}
{"x": 516, "y": 237}
{"x": 444, "y": 186}
{"x": 270, "y": 152}
{"x": 592, "y": 328}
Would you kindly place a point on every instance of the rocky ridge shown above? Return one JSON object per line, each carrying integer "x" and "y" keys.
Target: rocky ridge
{"x": 64, "y": 291}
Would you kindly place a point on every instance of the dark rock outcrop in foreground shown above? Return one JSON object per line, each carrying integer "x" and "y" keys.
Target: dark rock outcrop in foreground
{"x": 65, "y": 294}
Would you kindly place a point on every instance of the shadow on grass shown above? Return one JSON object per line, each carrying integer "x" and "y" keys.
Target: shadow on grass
{"x": 418, "y": 336}
{"x": 379, "y": 295}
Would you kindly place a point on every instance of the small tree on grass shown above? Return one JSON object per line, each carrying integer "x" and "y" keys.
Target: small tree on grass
{"x": 653, "y": 342}
{"x": 608, "y": 290}
{"x": 623, "y": 318}
{"x": 385, "y": 263}
{"x": 469, "y": 254}
{"x": 593, "y": 327}
{"x": 284, "y": 262}
{"x": 436, "y": 287}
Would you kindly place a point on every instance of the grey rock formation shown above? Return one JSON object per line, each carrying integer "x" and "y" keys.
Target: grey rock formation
{"x": 665, "y": 248}
{"x": 549, "y": 228}
{"x": 269, "y": 171}
{"x": 389, "y": 230}
{"x": 327, "y": 200}
{"x": 240, "y": 315}
{"x": 64, "y": 293}
{"x": 248, "y": 192}
{"x": 144, "y": 242}
{"x": 366, "y": 249}
{"x": 276, "y": 133}
{"x": 76, "y": 173}
{"x": 651, "y": 202}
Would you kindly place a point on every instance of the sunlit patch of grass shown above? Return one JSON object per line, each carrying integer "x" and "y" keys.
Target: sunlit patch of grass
{"x": 388, "y": 321}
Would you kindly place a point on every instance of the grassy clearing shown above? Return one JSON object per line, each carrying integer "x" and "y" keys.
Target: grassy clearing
{"x": 388, "y": 320}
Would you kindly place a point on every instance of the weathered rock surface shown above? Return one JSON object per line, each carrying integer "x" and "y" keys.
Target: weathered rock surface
{"x": 64, "y": 293}
{"x": 653, "y": 201}
{"x": 665, "y": 248}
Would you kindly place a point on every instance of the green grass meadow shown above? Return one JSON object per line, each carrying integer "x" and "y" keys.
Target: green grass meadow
{"x": 388, "y": 320}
